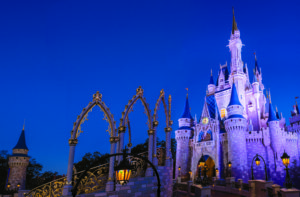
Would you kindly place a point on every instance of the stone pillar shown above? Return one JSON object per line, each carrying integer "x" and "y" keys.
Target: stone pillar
{"x": 168, "y": 146}
{"x": 276, "y": 189}
{"x": 229, "y": 181}
{"x": 149, "y": 171}
{"x": 252, "y": 188}
{"x": 290, "y": 192}
{"x": 206, "y": 191}
{"x": 155, "y": 160}
{"x": 110, "y": 181}
{"x": 68, "y": 186}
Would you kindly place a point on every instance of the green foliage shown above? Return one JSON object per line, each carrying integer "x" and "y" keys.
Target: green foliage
{"x": 90, "y": 160}
{"x": 3, "y": 170}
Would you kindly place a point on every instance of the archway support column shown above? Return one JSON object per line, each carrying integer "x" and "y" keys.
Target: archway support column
{"x": 149, "y": 171}
{"x": 168, "y": 146}
{"x": 110, "y": 181}
{"x": 68, "y": 186}
{"x": 121, "y": 141}
{"x": 155, "y": 161}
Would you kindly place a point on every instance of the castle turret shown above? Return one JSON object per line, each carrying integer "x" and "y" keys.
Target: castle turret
{"x": 18, "y": 163}
{"x": 211, "y": 85}
{"x": 275, "y": 132}
{"x": 237, "y": 70}
{"x": 236, "y": 126}
{"x": 182, "y": 136}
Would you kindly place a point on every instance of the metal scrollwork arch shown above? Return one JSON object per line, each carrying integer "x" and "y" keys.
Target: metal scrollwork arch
{"x": 97, "y": 100}
{"x": 124, "y": 121}
{"x": 167, "y": 109}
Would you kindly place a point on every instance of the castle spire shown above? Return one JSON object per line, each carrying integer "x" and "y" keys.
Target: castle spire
{"x": 234, "y": 99}
{"x": 277, "y": 113}
{"x": 186, "y": 111}
{"x": 21, "y": 142}
{"x": 234, "y": 25}
{"x": 211, "y": 81}
{"x": 256, "y": 65}
{"x": 272, "y": 115}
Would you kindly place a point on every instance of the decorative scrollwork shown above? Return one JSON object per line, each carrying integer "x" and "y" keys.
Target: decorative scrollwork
{"x": 97, "y": 100}
{"x": 167, "y": 109}
{"x": 52, "y": 189}
{"x": 95, "y": 180}
{"x": 139, "y": 165}
{"x": 161, "y": 156}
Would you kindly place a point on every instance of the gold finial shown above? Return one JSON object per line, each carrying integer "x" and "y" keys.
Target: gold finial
{"x": 211, "y": 72}
{"x": 276, "y": 109}
{"x": 255, "y": 55}
{"x": 24, "y": 125}
{"x": 267, "y": 95}
{"x": 187, "y": 92}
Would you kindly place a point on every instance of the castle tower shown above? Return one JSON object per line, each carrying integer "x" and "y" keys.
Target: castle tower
{"x": 211, "y": 86}
{"x": 237, "y": 68}
{"x": 235, "y": 126}
{"x": 18, "y": 163}
{"x": 182, "y": 136}
{"x": 256, "y": 93}
{"x": 274, "y": 129}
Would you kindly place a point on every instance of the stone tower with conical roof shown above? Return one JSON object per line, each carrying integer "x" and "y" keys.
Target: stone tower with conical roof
{"x": 18, "y": 163}
{"x": 182, "y": 136}
{"x": 236, "y": 126}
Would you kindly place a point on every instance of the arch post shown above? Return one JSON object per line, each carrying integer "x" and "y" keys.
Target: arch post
{"x": 68, "y": 186}
{"x": 155, "y": 161}
{"x": 110, "y": 181}
{"x": 149, "y": 171}
{"x": 121, "y": 131}
{"x": 168, "y": 146}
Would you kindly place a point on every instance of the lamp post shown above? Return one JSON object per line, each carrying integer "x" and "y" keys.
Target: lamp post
{"x": 257, "y": 162}
{"x": 229, "y": 168}
{"x": 203, "y": 165}
{"x": 123, "y": 171}
{"x": 217, "y": 171}
{"x": 286, "y": 161}
{"x": 190, "y": 173}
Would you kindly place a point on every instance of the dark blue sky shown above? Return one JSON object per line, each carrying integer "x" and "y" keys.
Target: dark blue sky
{"x": 54, "y": 55}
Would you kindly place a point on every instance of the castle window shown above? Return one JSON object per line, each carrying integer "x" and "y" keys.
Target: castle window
{"x": 223, "y": 113}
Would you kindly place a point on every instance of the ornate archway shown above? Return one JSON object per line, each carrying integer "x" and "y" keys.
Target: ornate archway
{"x": 97, "y": 100}
{"x": 211, "y": 165}
{"x": 124, "y": 122}
{"x": 169, "y": 122}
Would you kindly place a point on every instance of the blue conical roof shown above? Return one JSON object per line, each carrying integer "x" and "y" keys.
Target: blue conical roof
{"x": 186, "y": 112}
{"x": 256, "y": 65}
{"x": 272, "y": 115}
{"x": 211, "y": 80}
{"x": 234, "y": 100}
{"x": 22, "y": 142}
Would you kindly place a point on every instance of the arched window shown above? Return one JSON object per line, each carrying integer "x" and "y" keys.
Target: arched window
{"x": 223, "y": 113}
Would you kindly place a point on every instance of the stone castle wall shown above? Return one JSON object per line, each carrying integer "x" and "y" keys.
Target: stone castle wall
{"x": 18, "y": 167}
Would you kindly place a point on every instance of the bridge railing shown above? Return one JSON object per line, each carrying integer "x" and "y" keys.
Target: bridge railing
{"x": 95, "y": 180}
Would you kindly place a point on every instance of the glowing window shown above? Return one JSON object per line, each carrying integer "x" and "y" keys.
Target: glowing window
{"x": 223, "y": 113}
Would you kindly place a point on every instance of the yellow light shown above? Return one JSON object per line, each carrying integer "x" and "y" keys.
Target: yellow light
{"x": 179, "y": 168}
{"x": 257, "y": 161}
{"x": 8, "y": 185}
{"x": 223, "y": 113}
{"x": 190, "y": 172}
{"x": 229, "y": 164}
{"x": 123, "y": 176}
{"x": 285, "y": 159}
{"x": 217, "y": 170}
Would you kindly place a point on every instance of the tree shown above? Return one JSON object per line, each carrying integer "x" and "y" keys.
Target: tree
{"x": 3, "y": 169}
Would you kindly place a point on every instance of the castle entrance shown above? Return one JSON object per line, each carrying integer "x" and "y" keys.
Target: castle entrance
{"x": 209, "y": 165}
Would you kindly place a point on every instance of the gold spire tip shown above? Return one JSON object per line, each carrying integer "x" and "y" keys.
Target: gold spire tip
{"x": 211, "y": 72}
{"x": 24, "y": 125}
{"x": 187, "y": 92}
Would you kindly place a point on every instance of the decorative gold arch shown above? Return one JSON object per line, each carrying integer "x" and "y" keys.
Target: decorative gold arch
{"x": 97, "y": 100}
{"x": 167, "y": 109}
{"x": 128, "y": 108}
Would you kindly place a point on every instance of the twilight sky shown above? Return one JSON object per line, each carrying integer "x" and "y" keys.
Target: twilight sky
{"x": 54, "y": 55}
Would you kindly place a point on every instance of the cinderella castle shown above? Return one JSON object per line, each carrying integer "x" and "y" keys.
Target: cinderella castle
{"x": 238, "y": 121}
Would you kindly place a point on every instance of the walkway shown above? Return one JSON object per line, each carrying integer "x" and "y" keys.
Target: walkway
{"x": 222, "y": 194}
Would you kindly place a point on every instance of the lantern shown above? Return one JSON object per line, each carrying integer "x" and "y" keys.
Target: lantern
{"x": 123, "y": 171}
{"x": 217, "y": 170}
{"x": 202, "y": 161}
{"x": 257, "y": 161}
{"x": 8, "y": 185}
{"x": 179, "y": 168}
{"x": 285, "y": 159}
{"x": 229, "y": 164}
{"x": 19, "y": 185}
{"x": 190, "y": 172}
